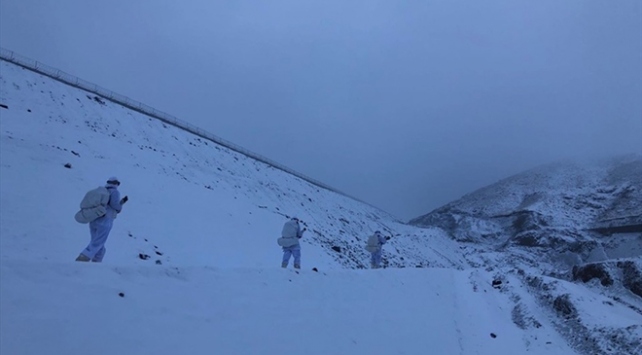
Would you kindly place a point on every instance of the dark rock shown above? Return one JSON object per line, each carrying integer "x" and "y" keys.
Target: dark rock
{"x": 158, "y": 262}
{"x": 582, "y": 247}
{"x": 29, "y": 110}
{"x": 493, "y": 335}
{"x": 631, "y": 277}
{"x": 562, "y": 304}
{"x": 4, "y": 106}
{"x": 337, "y": 249}
{"x": 590, "y": 271}
{"x": 68, "y": 166}
{"x": 524, "y": 222}
{"x": 528, "y": 240}
{"x": 315, "y": 269}
{"x": 497, "y": 283}
{"x": 143, "y": 256}
{"x": 121, "y": 294}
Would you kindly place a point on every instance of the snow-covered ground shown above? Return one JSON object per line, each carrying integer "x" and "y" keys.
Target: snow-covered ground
{"x": 568, "y": 221}
{"x": 73, "y": 309}
{"x": 192, "y": 263}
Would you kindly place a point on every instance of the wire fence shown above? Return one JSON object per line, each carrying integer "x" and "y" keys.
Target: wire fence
{"x": 59, "y": 75}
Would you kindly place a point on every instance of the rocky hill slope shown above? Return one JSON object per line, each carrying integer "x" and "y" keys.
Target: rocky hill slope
{"x": 569, "y": 221}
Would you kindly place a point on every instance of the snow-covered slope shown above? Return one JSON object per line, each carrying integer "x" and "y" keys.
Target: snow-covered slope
{"x": 194, "y": 201}
{"x": 566, "y": 206}
{"x": 570, "y": 193}
{"x": 193, "y": 266}
{"x": 250, "y": 311}
{"x": 573, "y": 221}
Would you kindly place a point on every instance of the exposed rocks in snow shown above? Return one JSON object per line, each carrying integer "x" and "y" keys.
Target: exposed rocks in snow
{"x": 99, "y": 100}
{"x": 522, "y": 319}
{"x": 569, "y": 221}
{"x": 631, "y": 276}
{"x": 563, "y": 306}
{"x": 585, "y": 336}
{"x": 592, "y": 271}
{"x": 143, "y": 256}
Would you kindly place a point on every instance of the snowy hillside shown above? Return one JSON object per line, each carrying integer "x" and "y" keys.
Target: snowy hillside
{"x": 197, "y": 202}
{"x": 192, "y": 263}
{"x": 583, "y": 206}
{"x": 588, "y": 194}
{"x": 571, "y": 221}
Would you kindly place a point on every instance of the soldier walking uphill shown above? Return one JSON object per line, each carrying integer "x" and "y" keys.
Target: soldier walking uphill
{"x": 289, "y": 241}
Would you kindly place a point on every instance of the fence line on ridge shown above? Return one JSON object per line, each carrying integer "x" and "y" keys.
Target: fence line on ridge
{"x": 72, "y": 80}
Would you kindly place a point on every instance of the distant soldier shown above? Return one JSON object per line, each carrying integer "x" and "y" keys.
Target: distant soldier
{"x": 289, "y": 241}
{"x": 374, "y": 246}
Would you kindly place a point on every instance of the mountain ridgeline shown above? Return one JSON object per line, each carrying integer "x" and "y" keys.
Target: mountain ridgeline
{"x": 560, "y": 205}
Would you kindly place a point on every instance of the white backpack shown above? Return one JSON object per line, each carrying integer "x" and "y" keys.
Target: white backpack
{"x": 373, "y": 243}
{"x": 287, "y": 242}
{"x": 93, "y": 205}
{"x": 289, "y": 234}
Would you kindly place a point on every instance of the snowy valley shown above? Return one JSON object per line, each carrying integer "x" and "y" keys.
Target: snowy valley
{"x": 192, "y": 263}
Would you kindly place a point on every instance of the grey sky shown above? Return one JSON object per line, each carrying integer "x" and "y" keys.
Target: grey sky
{"x": 405, "y": 104}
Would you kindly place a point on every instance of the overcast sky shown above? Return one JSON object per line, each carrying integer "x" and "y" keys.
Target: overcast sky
{"x": 407, "y": 105}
